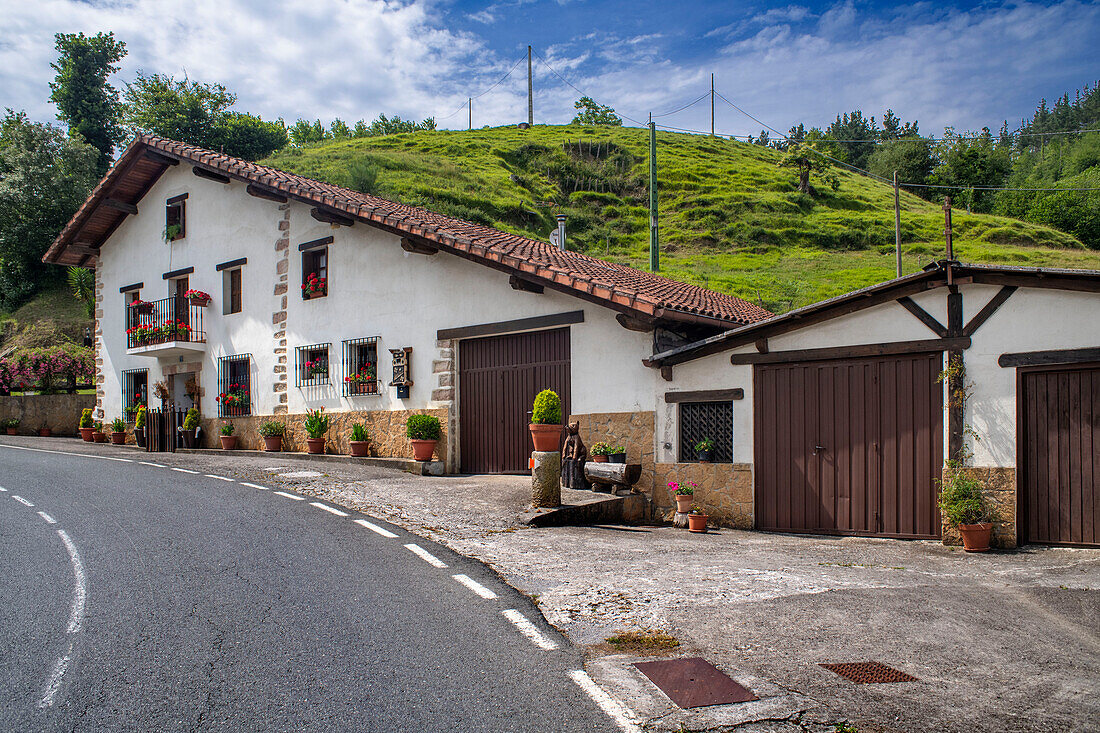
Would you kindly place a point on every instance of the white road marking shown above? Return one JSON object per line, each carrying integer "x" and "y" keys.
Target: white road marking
{"x": 66, "y": 453}
{"x": 302, "y": 474}
{"x": 425, "y": 555}
{"x": 184, "y": 470}
{"x": 76, "y": 623}
{"x": 220, "y": 478}
{"x": 254, "y": 486}
{"x": 328, "y": 509}
{"x": 475, "y": 586}
{"x": 112, "y": 458}
{"x": 291, "y": 496}
{"x": 617, "y": 712}
{"x": 2, "y": 488}
{"x": 154, "y": 465}
{"x": 53, "y": 682}
{"x": 47, "y": 517}
{"x": 375, "y": 528}
{"x": 21, "y": 500}
{"x": 529, "y": 630}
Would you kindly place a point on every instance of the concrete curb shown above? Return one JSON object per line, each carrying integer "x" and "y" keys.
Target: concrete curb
{"x": 418, "y": 468}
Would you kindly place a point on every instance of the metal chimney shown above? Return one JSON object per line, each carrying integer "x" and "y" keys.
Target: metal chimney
{"x": 561, "y": 231}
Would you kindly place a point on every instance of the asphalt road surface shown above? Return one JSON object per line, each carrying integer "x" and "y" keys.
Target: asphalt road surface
{"x": 143, "y": 597}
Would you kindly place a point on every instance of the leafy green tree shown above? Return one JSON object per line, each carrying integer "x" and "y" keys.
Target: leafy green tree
{"x": 339, "y": 130}
{"x": 592, "y": 113}
{"x": 82, "y": 282}
{"x": 44, "y": 178}
{"x": 84, "y": 99}
{"x": 968, "y": 162}
{"x": 911, "y": 157}
{"x": 806, "y": 159}
{"x": 303, "y": 132}
{"x": 854, "y": 136}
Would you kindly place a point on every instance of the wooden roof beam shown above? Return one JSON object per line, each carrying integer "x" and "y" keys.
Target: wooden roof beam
{"x": 417, "y": 247}
{"x": 122, "y": 206}
{"x": 330, "y": 217}
{"x": 265, "y": 193}
{"x": 156, "y": 157}
{"x": 210, "y": 175}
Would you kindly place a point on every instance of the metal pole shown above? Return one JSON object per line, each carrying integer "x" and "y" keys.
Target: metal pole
{"x": 530, "y": 91}
{"x": 654, "y": 251}
{"x": 947, "y": 227}
{"x": 712, "y": 104}
{"x": 470, "y": 104}
{"x": 897, "y": 224}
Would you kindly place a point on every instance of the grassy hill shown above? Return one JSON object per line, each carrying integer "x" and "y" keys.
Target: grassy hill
{"x": 731, "y": 219}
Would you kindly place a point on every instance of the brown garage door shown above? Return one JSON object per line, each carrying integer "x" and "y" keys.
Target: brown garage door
{"x": 499, "y": 377}
{"x": 851, "y": 447}
{"x": 1059, "y": 451}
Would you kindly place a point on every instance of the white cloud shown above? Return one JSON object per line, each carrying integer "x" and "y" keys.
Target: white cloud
{"x": 788, "y": 14}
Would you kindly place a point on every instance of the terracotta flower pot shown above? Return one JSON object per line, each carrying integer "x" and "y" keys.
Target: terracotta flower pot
{"x": 547, "y": 438}
{"x": 99, "y": 437}
{"x": 315, "y": 445}
{"x": 599, "y": 459}
{"x": 976, "y": 537}
{"x": 273, "y": 443}
{"x": 229, "y": 442}
{"x": 423, "y": 449}
{"x": 697, "y": 523}
{"x": 45, "y": 432}
{"x": 118, "y": 438}
{"x": 359, "y": 447}
{"x": 87, "y": 433}
{"x": 683, "y": 503}
{"x": 12, "y": 431}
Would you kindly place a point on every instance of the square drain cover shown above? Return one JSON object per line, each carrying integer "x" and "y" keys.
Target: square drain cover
{"x": 869, "y": 672}
{"x": 694, "y": 682}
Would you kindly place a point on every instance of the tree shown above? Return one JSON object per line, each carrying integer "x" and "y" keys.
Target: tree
{"x": 595, "y": 114}
{"x": 854, "y": 137}
{"x": 968, "y": 162}
{"x": 911, "y": 157}
{"x": 84, "y": 99}
{"x": 44, "y": 178}
{"x": 82, "y": 282}
{"x": 805, "y": 158}
{"x": 302, "y": 132}
{"x": 199, "y": 114}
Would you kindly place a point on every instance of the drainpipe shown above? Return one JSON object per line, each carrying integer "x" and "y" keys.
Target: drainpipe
{"x": 561, "y": 231}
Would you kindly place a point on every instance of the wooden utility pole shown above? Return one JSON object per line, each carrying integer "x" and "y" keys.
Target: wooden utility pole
{"x": 712, "y": 104}
{"x": 470, "y": 104}
{"x": 897, "y": 224}
{"x": 530, "y": 91}
{"x": 654, "y": 252}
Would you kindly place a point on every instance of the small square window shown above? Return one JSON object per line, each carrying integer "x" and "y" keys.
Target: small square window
{"x": 361, "y": 367}
{"x": 312, "y": 365}
{"x": 706, "y": 420}
{"x": 315, "y": 273}
{"x": 175, "y": 218}
{"x": 235, "y": 385}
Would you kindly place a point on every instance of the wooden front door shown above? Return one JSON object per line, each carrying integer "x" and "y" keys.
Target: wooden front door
{"x": 499, "y": 377}
{"x": 849, "y": 447}
{"x": 182, "y": 307}
{"x": 1058, "y": 455}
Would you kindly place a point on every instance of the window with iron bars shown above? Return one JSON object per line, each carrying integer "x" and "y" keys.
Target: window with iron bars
{"x": 311, "y": 365}
{"x": 701, "y": 420}
{"x": 135, "y": 391}
{"x": 235, "y": 385}
{"x": 361, "y": 366}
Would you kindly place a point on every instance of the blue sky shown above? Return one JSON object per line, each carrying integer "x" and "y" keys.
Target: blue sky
{"x": 963, "y": 64}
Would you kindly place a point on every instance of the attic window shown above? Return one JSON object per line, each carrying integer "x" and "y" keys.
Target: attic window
{"x": 175, "y": 218}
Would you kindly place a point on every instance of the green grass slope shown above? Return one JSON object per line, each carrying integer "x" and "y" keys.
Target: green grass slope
{"x": 730, "y": 219}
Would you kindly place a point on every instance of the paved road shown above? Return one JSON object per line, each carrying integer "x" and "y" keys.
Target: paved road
{"x": 151, "y": 599}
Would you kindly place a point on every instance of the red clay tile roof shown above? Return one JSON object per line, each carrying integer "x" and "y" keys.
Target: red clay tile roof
{"x": 616, "y": 286}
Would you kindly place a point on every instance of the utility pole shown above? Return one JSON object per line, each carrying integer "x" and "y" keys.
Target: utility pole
{"x": 897, "y": 223}
{"x": 947, "y": 227}
{"x": 530, "y": 92}
{"x": 654, "y": 251}
{"x": 470, "y": 104}
{"x": 712, "y": 104}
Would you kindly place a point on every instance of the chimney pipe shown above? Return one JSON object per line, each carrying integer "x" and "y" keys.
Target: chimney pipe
{"x": 561, "y": 231}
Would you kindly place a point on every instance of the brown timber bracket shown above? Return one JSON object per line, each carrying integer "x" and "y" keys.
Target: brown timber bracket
{"x": 210, "y": 175}
{"x": 1044, "y": 358}
{"x": 158, "y": 158}
{"x": 417, "y": 247}
{"x": 122, "y": 206}
{"x": 990, "y": 308}
{"x": 640, "y": 325}
{"x": 924, "y": 316}
{"x": 264, "y": 193}
{"x": 956, "y": 383}
{"x": 706, "y": 395}
{"x": 330, "y": 217}
{"x": 853, "y": 352}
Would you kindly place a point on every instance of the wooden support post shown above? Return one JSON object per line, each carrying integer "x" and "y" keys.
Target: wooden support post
{"x": 897, "y": 225}
{"x": 956, "y": 383}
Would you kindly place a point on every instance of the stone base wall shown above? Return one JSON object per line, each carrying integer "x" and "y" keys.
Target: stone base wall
{"x": 385, "y": 428}
{"x": 724, "y": 490}
{"x": 632, "y": 430}
{"x": 1000, "y": 495}
{"x": 58, "y": 412}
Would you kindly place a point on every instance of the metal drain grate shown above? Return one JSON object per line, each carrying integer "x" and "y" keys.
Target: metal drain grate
{"x": 694, "y": 682}
{"x": 863, "y": 673}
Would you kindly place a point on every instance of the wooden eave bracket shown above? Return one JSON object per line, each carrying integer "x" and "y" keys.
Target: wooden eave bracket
{"x": 923, "y": 316}
{"x": 210, "y": 175}
{"x": 122, "y": 206}
{"x": 330, "y": 217}
{"x": 632, "y": 323}
{"x": 518, "y": 283}
{"x": 417, "y": 248}
{"x": 264, "y": 193}
{"x": 156, "y": 157}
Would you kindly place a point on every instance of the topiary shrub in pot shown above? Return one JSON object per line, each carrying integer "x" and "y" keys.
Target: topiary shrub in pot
{"x": 546, "y": 421}
{"x": 118, "y": 431}
{"x": 316, "y": 425}
{"x": 139, "y": 426}
{"x": 227, "y": 438}
{"x": 272, "y": 433}
{"x": 423, "y": 431}
{"x": 359, "y": 440}
{"x": 190, "y": 427}
{"x": 87, "y": 426}
{"x": 963, "y": 506}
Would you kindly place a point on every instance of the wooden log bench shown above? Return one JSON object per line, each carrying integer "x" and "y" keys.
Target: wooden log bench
{"x": 617, "y": 478}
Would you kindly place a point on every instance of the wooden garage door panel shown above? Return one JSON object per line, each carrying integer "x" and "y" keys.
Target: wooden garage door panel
{"x": 499, "y": 377}
{"x": 1059, "y": 455}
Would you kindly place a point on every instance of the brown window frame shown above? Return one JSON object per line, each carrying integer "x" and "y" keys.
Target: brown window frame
{"x": 236, "y": 290}
{"x": 311, "y": 259}
{"x": 176, "y": 208}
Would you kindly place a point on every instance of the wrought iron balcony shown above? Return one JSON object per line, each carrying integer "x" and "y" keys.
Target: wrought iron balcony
{"x": 165, "y": 327}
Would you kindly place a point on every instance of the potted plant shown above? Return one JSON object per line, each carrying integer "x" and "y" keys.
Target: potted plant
{"x": 160, "y": 389}
{"x": 45, "y": 431}
{"x": 98, "y": 435}
{"x": 314, "y": 286}
{"x": 697, "y": 520}
{"x": 198, "y": 297}
{"x": 87, "y": 427}
{"x": 423, "y": 431}
{"x": 617, "y": 455}
{"x": 963, "y": 506}
{"x": 227, "y": 438}
{"x": 359, "y": 442}
{"x": 190, "y": 427}
{"x": 139, "y": 426}
{"x": 118, "y": 431}
{"x": 316, "y": 424}
{"x": 546, "y": 421}
{"x": 272, "y": 433}
{"x": 142, "y": 307}
{"x": 704, "y": 449}
{"x": 236, "y": 400}
{"x": 599, "y": 452}
{"x": 11, "y": 425}
{"x": 683, "y": 494}
{"x": 364, "y": 381}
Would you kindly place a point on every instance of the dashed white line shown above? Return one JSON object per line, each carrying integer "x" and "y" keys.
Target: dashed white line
{"x": 76, "y": 622}
{"x": 475, "y": 586}
{"x": 375, "y": 528}
{"x": 2, "y": 488}
{"x": 220, "y": 478}
{"x": 21, "y": 500}
{"x": 291, "y": 496}
{"x": 425, "y": 555}
{"x": 184, "y": 470}
{"x": 154, "y": 465}
{"x": 254, "y": 486}
{"x": 328, "y": 509}
{"x": 112, "y": 458}
{"x": 47, "y": 517}
{"x": 622, "y": 716}
{"x": 529, "y": 630}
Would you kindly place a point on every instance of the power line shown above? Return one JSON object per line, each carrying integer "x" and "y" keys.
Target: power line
{"x": 486, "y": 91}
{"x": 681, "y": 109}
{"x": 578, "y": 91}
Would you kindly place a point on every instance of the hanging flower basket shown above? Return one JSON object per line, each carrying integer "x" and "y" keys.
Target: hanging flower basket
{"x": 198, "y": 297}
{"x": 142, "y": 307}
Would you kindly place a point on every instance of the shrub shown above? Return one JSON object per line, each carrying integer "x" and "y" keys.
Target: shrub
{"x": 705, "y": 444}
{"x": 191, "y": 419}
{"x": 227, "y": 429}
{"x": 358, "y": 432}
{"x": 98, "y": 426}
{"x": 547, "y": 408}
{"x": 423, "y": 427}
{"x": 316, "y": 423}
{"x": 118, "y": 425}
{"x": 86, "y": 418}
{"x": 961, "y": 500}
{"x": 139, "y": 418}
{"x": 272, "y": 429}
{"x": 600, "y": 449}
{"x": 618, "y": 450}
{"x": 11, "y": 422}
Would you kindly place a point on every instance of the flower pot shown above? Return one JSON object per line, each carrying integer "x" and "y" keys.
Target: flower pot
{"x": 87, "y": 433}
{"x": 188, "y": 438}
{"x": 617, "y": 458}
{"x": 683, "y": 503}
{"x": 599, "y": 459}
{"x": 547, "y": 438}
{"x": 200, "y": 302}
{"x": 359, "y": 447}
{"x": 315, "y": 445}
{"x": 423, "y": 449}
{"x": 139, "y": 437}
{"x": 45, "y": 432}
{"x": 976, "y": 537}
{"x": 697, "y": 523}
{"x": 273, "y": 443}
{"x": 118, "y": 438}
{"x": 229, "y": 442}
{"x": 703, "y": 456}
{"x": 99, "y": 437}
{"x": 11, "y": 431}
